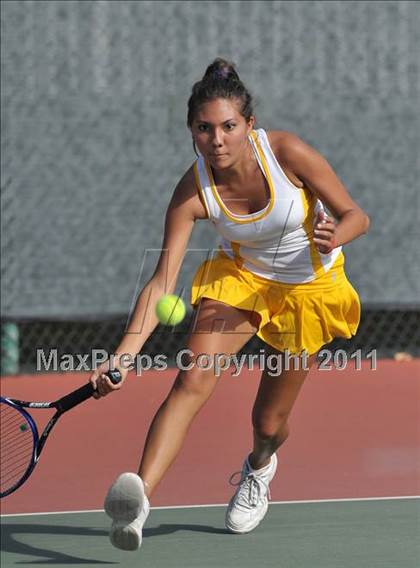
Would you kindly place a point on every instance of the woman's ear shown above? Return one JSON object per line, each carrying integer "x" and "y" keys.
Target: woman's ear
{"x": 251, "y": 123}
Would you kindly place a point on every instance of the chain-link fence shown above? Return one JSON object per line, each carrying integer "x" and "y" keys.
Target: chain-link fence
{"x": 58, "y": 346}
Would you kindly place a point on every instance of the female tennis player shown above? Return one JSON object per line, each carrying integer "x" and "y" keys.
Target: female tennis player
{"x": 279, "y": 273}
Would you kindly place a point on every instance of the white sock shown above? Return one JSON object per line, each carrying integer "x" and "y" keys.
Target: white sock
{"x": 258, "y": 470}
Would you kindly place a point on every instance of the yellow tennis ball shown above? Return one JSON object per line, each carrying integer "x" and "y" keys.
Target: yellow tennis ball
{"x": 170, "y": 309}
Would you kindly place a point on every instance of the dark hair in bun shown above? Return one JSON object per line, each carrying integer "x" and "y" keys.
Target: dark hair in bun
{"x": 220, "y": 81}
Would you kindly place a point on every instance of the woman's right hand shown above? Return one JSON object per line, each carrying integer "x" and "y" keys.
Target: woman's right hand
{"x": 101, "y": 383}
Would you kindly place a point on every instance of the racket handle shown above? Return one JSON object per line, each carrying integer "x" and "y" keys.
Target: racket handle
{"x": 114, "y": 376}
{"x": 83, "y": 393}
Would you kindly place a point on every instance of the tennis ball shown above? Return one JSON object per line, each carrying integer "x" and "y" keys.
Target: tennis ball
{"x": 170, "y": 309}
{"x": 23, "y": 427}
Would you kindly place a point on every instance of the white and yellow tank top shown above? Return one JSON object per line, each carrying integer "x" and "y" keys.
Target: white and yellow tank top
{"x": 276, "y": 242}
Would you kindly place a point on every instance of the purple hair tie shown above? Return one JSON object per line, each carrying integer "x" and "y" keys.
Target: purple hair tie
{"x": 222, "y": 73}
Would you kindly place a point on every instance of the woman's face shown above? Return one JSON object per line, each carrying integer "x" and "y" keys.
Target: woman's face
{"x": 220, "y": 132}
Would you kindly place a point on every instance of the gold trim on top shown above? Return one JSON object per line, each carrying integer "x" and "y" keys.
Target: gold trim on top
{"x": 200, "y": 191}
{"x": 252, "y": 217}
{"x": 308, "y": 216}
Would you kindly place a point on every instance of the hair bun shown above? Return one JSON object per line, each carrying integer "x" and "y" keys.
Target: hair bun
{"x": 220, "y": 81}
{"x": 221, "y": 69}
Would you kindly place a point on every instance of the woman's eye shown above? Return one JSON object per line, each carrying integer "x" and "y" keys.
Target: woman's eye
{"x": 205, "y": 127}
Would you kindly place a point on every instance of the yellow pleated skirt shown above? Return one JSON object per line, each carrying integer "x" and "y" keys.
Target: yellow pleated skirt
{"x": 293, "y": 317}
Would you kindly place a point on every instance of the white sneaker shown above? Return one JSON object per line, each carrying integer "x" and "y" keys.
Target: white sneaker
{"x": 248, "y": 506}
{"x": 129, "y": 536}
{"x": 128, "y": 506}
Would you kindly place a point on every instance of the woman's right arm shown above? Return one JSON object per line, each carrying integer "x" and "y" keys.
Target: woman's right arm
{"x": 184, "y": 209}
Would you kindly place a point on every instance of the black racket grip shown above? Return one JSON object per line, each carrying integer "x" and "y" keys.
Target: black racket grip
{"x": 83, "y": 393}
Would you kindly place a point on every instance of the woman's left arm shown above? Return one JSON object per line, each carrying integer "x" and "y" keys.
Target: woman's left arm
{"x": 317, "y": 175}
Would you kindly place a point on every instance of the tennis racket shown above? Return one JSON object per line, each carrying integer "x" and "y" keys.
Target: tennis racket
{"x": 21, "y": 444}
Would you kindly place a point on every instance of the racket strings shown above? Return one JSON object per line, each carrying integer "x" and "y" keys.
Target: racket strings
{"x": 11, "y": 447}
{"x": 11, "y": 426}
{"x": 16, "y": 445}
{"x": 12, "y": 475}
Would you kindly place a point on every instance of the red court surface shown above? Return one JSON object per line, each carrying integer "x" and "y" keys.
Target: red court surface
{"x": 354, "y": 434}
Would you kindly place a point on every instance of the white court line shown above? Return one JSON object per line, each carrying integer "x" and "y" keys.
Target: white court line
{"x": 224, "y": 505}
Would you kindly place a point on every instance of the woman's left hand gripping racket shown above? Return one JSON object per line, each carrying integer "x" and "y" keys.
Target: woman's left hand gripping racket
{"x": 21, "y": 444}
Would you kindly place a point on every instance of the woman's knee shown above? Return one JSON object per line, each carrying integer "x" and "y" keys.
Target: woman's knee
{"x": 270, "y": 425}
{"x": 195, "y": 382}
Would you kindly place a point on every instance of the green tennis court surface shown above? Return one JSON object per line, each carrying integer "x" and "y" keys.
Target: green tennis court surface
{"x": 338, "y": 534}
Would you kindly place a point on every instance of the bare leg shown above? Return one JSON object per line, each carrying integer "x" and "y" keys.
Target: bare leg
{"x": 273, "y": 405}
{"x": 192, "y": 388}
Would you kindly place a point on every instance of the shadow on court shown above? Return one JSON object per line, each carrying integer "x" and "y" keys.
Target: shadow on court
{"x": 10, "y": 543}
{"x": 168, "y": 528}
{"x": 10, "y": 533}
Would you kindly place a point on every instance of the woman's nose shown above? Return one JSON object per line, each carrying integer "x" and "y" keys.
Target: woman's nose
{"x": 217, "y": 138}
